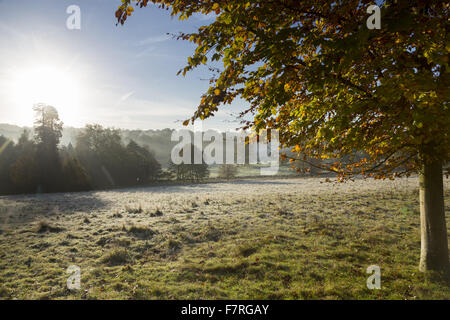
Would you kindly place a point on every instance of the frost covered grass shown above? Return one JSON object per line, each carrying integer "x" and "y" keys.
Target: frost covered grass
{"x": 293, "y": 238}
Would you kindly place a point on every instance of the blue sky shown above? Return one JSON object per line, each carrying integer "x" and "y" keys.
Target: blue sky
{"x": 125, "y": 76}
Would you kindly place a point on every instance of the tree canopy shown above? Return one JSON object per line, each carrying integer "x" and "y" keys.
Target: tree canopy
{"x": 331, "y": 86}
{"x": 372, "y": 101}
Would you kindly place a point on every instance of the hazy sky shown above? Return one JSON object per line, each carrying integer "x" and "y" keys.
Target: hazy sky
{"x": 122, "y": 76}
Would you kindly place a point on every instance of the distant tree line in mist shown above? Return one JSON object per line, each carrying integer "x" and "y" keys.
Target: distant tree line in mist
{"x": 99, "y": 159}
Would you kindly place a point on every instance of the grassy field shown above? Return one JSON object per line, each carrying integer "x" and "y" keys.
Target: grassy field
{"x": 249, "y": 239}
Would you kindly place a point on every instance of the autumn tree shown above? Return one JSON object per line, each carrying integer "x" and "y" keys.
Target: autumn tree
{"x": 333, "y": 88}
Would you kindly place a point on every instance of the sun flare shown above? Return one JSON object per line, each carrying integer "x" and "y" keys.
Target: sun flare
{"x": 46, "y": 84}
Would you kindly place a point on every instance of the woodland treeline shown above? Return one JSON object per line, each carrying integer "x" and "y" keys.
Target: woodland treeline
{"x": 99, "y": 159}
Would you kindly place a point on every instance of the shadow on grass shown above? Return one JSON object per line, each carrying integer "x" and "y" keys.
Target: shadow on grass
{"x": 28, "y": 208}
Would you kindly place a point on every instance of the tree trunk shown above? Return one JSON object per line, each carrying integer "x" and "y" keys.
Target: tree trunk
{"x": 434, "y": 245}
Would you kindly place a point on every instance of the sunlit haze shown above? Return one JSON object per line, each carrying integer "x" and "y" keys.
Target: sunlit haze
{"x": 121, "y": 76}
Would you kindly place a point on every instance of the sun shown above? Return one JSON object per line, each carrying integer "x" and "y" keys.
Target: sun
{"x": 47, "y": 84}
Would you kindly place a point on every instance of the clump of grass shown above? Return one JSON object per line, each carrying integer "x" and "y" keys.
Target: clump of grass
{"x": 173, "y": 244}
{"x": 41, "y": 245}
{"x": 211, "y": 233}
{"x": 44, "y": 226}
{"x": 131, "y": 209}
{"x": 122, "y": 242}
{"x": 407, "y": 210}
{"x": 156, "y": 213}
{"x": 246, "y": 250}
{"x": 282, "y": 212}
{"x": 4, "y": 292}
{"x": 174, "y": 220}
{"x": 115, "y": 257}
{"x": 186, "y": 237}
{"x": 141, "y": 232}
{"x": 102, "y": 241}
{"x": 186, "y": 209}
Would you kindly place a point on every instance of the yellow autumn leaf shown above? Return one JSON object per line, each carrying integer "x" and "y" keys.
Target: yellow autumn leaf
{"x": 217, "y": 92}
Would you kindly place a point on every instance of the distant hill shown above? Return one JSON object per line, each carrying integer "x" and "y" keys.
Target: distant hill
{"x": 11, "y": 131}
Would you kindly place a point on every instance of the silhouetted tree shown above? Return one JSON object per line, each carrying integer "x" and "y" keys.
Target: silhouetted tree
{"x": 75, "y": 175}
{"x": 23, "y": 170}
{"x": 110, "y": 163}
{"x": 48, "y": 132}
{"x": 7, "y": 158}
{"x": 142, "y": 165}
